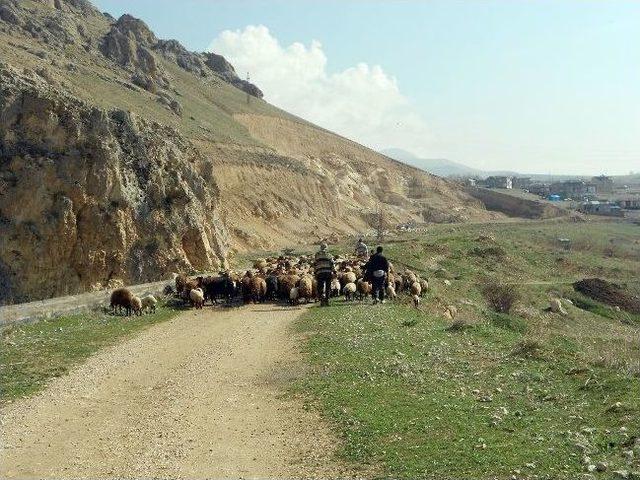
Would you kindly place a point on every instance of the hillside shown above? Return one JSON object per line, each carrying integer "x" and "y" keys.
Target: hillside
{"x": 125, "y": 157}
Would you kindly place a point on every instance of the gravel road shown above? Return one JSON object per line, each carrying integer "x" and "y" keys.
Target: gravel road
{"x": 200, "y": 396}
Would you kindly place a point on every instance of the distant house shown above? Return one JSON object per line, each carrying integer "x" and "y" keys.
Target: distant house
{"x": 603, "y": 184}
{"x": 470, "y": 182}
{"x": 541, "y": 189}
{"x": 499, "y": 182}
{"x": 630, "y": 203}
{"x": 521, "y": 182}
{"x": 573, "y": 189}
{"x": 602, "y": 208}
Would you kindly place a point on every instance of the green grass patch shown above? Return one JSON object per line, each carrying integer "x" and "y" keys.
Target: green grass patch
{"x": 484, "y": 402}
{"x": 32, "y": 354}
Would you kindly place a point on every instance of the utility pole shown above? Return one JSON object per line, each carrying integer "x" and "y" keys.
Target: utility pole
{"x": 248, "y": 95}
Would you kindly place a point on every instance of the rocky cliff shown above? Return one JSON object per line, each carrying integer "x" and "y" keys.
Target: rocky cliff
{"x": 90, "y": 196}
{"x": 124, "y": 157}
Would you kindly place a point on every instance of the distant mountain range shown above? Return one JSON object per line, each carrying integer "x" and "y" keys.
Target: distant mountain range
{"x": 446, "y": 168}
{"x": 440, "y": 166}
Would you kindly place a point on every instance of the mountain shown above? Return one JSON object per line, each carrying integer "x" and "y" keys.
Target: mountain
{"x": 441, "y": 166}
{"x": 124, "y": 157}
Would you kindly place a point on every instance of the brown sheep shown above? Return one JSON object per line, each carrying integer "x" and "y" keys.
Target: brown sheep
{"x": 424, "y": 286}
{"x": 121, "y": 299}
{"x": 364, "y": 289}
{"x": 416, "y": 289}
{"x": 257, "y": 289}
{"x": 181, "y": 281}
{"x": 286, "y": 283}
{"x": 136, "y": 306}
{"x": 305, "y": 288}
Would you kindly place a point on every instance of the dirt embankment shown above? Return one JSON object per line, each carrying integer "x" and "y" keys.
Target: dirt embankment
{"x": 608, "y": 293}
{"x": 514, "y": 206}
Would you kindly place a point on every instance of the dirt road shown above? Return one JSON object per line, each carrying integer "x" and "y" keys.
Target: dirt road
{"x": 200, "y": 396}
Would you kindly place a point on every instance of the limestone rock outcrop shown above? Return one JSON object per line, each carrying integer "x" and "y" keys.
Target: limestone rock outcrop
{"x": 88, "y": 196}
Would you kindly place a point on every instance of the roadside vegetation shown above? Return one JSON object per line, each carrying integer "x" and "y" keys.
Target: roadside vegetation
{"x": 32, "y": 354}
{"x": 507, "y": 389}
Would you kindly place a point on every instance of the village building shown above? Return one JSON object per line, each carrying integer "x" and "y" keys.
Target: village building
{"x": 521, "y": 182}
{"x": 576, "y": 189}
{"x": 499, "y": 182}
{"x": 629, "y": 203}
{"x": 602, "y": 208}
{"x": 541, "y": 189}
{"x": 603, "y": 184}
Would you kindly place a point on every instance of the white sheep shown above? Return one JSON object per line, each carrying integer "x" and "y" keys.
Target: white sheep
{"x": 349, "y": 291}
{"x": 416, "y": 289}
{"x": 556, "y": 306}
{"x": 416, "y": 301}
{"x": 197, "y": 297}
{"x": 335, "y": 287}
{"x": 149, "y": 302}
{"x": 294, "y": 294}
{"x": 391, "y": 292}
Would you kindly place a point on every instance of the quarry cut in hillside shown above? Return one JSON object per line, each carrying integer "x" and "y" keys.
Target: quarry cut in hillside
{"x": 125, "y": 158}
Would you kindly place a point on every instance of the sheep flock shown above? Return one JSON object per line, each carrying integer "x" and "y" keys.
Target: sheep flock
{"x": 285, "y": 279}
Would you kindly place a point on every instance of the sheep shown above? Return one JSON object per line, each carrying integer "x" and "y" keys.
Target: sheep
{"x": 409, "y": 278}
{"x": 257, "y": 289}
{"x": 391, "y": 292}
{"x": 136, "y": 306}
{"x": 293, "y": 295}
{"x": 121, "y": 298}
{"x": 335, "y": 287}
{"x": 197, "y": 297}
{"x": 286, "y": 283}
{"x": 349, "y": 291}
{"x": 272, "y": 286}
{"x": 416, "y": 288}
{"x": 424, "y": 286}
{"x": 416, "y": 301}
{"x": 364, "y": 288}
{"x": 149, "y": 302}
{"x": 350, "y": 277}
{"x": 305, "y": 288}
{"x": 181, "y": 281}
{"x": 556, "y": 306}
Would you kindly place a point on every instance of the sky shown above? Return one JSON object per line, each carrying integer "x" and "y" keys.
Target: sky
{"x": 544, "y": 86}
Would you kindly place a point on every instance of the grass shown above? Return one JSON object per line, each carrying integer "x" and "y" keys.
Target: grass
{"x": 484, "y": 402}
{"x": 527, "y": 393}
{"x": 32, "y": 354}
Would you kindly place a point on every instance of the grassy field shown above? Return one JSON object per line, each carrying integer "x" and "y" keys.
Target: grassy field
{"x": 32, "y": 354}
{"x": 530, "y": 394}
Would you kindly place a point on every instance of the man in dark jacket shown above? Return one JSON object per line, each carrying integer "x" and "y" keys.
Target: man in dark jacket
{"x": 378, "y": 271}
{"x": 323, "y": 267}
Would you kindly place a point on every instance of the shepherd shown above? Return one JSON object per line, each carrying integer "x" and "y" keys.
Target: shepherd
{"x": 324, "y": 267}
{"x": 378, "y": 271}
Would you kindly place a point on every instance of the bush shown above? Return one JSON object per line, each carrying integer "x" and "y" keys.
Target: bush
{"x": 529, "y": 348}
{"x": 459, "y": 324}
{"x": 501, "y": 298}
{"x": 508, "y": 322}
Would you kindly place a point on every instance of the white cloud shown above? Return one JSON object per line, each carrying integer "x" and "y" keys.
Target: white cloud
{"x": 362, "y": 102}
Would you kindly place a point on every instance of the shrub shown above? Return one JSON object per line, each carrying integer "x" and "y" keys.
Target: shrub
{"x": 500, "y": 297}
{"x": 528, "y": 347}
{"x": 459, "y": 324}
{"x": 508, "y": 322}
